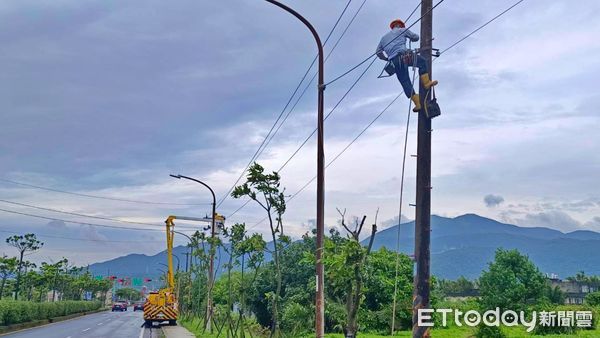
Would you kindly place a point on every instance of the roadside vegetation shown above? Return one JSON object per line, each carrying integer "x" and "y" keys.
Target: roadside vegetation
{"x": 30, "y": 292}
{"x": 267, "y": 289}
{"x": 15, "y": 312}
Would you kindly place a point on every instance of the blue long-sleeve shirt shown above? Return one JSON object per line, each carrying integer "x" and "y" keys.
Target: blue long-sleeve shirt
{"x": 394, "y": 42}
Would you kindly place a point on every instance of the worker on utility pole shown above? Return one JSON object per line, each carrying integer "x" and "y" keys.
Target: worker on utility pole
{"x": 392, "y": 47}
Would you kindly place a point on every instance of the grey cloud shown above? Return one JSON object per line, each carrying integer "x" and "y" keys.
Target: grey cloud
{"x": 89, "y": 232}
{"x": 57, "y": 224}
{"x": 550, "y": 219}
{"x": 593, "y": 224}
{"x": 582, "y": 205}
{"x": 394, "y": 221}
{"x": 95, "y": 89}
{"x": 492, "y": 200}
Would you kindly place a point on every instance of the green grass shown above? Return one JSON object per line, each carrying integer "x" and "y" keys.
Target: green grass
{"x": 451, "y": 332}
{"x": 462, "y": 332}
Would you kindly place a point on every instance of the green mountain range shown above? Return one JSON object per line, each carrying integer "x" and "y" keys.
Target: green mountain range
{"x": 460, "y": 246}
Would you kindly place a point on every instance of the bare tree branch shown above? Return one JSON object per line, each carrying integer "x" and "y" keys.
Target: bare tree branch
{"x": 361, "y": 226}
{"x": 343, "y": 214}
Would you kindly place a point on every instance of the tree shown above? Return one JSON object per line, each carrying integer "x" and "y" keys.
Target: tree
{"x": 128, "y": 294}
{"x": 236, "y": 235}
{"x": 593, "y": 298}
{"x": 253, "y": 248}
{"x": 51, "y": 275}
{"x": 264, "y": 189}
{"x": 24, "y": 244}
{"x": 348, "y": 265}
{"x": 240, "y": 248}
{"x": 201, "y": 258}
{"x": 8, "y": 266}
{"x": 511, "y": 282}
{"x": 459, "y": 287}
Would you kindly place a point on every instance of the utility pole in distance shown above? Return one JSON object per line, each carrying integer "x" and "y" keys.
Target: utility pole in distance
{"x": 423, "y": 198}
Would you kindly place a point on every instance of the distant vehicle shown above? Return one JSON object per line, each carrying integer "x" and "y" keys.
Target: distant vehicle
{"x": 118, "y": 306}
{"x": 124, "y": 303}
{"x": 138, "y": 306}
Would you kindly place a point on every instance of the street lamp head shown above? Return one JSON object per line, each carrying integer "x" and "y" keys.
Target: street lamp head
{"x": 175, "y": 176}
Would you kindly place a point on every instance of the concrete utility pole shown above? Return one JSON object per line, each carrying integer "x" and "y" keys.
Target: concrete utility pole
{"x": 319, "y": 273}
{"x": 423, "y": 199}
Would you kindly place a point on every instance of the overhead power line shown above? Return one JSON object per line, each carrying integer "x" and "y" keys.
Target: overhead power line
{"x": 348, "y": 145}
{"x": 336, "y": 157}
{"x": 481, "y": 27}
{"x": 308, "y": 85}
{"x": 95, "y": 196}
{"x": 330, "y": 112}
{"x": 378, "y": 116}
{"x": 83, "y": 239}
{"x": 80, "y": 215}
{"x": 372, "y": 55}
{"x": 240, "y": 208}
{"x": 386, "y": 108}
{"x": 78, "y": 222}
{"x": 326, "y": 116}
{"x": 266, "y": 139}
{"x": 76, "y": 214}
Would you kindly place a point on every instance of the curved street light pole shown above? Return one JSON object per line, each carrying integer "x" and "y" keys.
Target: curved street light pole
{"x": 209, "y": 307}
{"x": 320, "y": 299}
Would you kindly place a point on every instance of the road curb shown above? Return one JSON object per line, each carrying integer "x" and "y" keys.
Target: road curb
{"x": 8, "y": 329}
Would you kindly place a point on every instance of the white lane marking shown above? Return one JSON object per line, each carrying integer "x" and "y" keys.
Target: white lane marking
{"x": 86, "y": 329}
{"x": 142, "y": 333}
{"x": 99, "y": 324}
{"x": 69, "y": 337}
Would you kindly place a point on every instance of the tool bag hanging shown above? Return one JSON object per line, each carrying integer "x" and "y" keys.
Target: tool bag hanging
{"x": 389, "y": 69}
{"x": 432, "y": 108}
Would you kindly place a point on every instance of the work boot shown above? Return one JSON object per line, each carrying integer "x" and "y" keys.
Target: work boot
{"x": 415, "y": 99}
{"x": 427, "y": 83}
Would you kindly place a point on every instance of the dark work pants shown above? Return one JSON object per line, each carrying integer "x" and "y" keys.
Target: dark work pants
{"x": 402, "y": 72}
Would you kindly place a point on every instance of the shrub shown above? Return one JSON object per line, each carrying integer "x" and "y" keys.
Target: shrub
{"x": 484, "y": 331}
{"x": 14, "y": 312}
{"x": 557, "y": 329}
{"x": 296, "y": 318}
{"x": 593, "y": 298}
{"x": 335, "y": 317}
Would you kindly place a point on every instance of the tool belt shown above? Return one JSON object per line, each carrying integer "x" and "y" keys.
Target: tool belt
{"x": 408, "y": 57}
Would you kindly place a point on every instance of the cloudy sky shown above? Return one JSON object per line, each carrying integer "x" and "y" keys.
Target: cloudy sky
{"x": 108, "y": 98}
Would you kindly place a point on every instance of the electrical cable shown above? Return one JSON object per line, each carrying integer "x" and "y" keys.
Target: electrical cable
{"x": 77, "y": 222}
{"x": 81, "y": 215}
{"x": 77, "y": 214}
{"x": 370, "y": 56}
{"x": 400, "y": 205}
{"x": 314, "y": 76}
{"x": 82, "y": 239}
{"x": 302, "y": 95}
{"x": 327, "y": 116}
{"x": 258, "y": 151}
{"x": 96, "y": 196}
{"x": 480, "y": 27}
{"x": 335, "y": 158}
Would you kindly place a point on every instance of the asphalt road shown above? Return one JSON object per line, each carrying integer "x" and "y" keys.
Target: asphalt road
{"x": 98, "y": 325}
